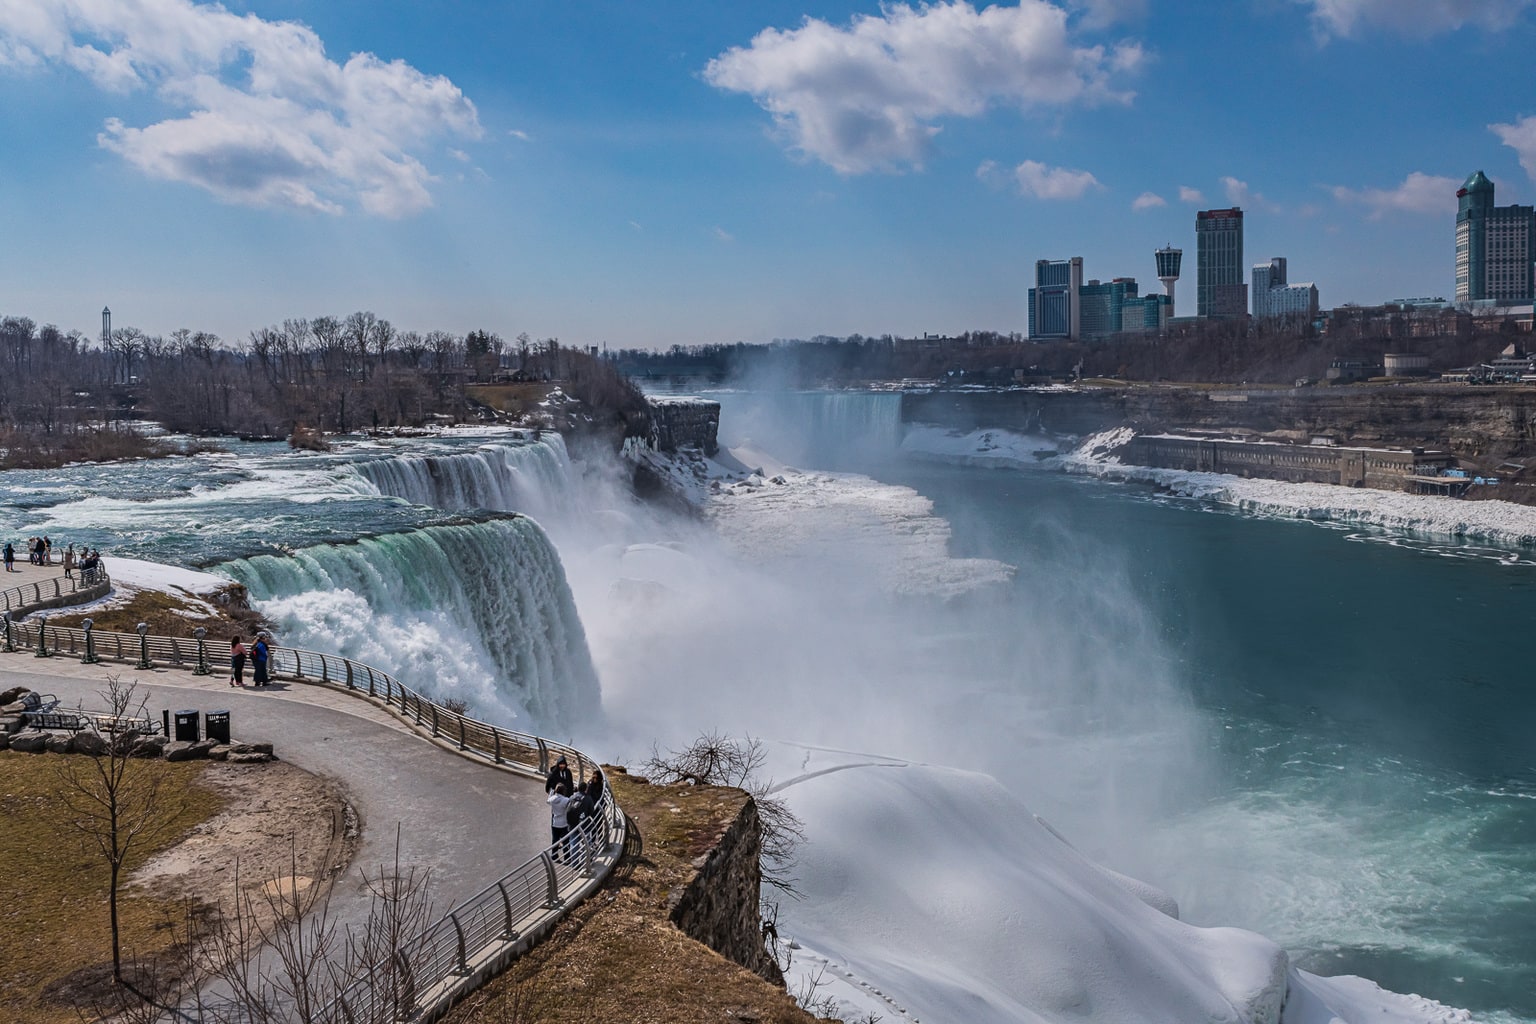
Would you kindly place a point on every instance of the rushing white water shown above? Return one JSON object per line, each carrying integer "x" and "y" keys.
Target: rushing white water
{"x": 532, "y": 478}
{"x": 477, "y": 611}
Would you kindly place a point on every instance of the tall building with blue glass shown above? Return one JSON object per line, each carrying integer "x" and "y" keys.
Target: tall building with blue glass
{"x": 1055, "y": 302}
{"x": 1221, "y": 290}
{"x": 1493, "y": 246}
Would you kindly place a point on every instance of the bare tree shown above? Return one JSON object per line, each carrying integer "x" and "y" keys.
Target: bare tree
{"x": 116, "y": 801}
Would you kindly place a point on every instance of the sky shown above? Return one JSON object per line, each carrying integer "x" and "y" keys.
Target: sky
{"x": 643, "y": 175}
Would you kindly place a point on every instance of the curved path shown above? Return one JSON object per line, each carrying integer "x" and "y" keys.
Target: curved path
{"x": 478, "y": 819}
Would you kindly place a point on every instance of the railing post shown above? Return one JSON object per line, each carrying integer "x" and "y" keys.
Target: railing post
{"x": 433, "y": 706}
{"x": 56, "y": 591}
{"x": 543, "y": 755}
{"x": 510, "y": 933}
{"x": 463, "y": 954}
{"x": 42, "y": 637}
{"x": 89, "y": 658}
{"x": 298, "y": 666}
{"x": 325, "y": 669}
{"x": 496, "y": 742}
{"x": 37, "y": 592}
{"x": 10, "y": 642}
{"x": 202, "y": 668}
{"x": 372, "y": 689}
{"x": 348, "y": 663}
{"x": 552, "y": 900}
{"x": 462, "y": 744}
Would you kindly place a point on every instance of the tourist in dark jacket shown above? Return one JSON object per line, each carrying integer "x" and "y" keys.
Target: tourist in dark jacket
{"x": 260, "y": 652}
{"x": 10, "y": 557}
{"x": 558, "y": 775}
{"x": 595, "y": 786}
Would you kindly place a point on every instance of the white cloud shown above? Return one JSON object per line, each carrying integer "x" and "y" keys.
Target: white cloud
{"x": 1104, "y": 13}
{"x": 1042, "y": 182}
{"x": 1421, "y": 18}
{"x": 1419, "y": 193}
{"x": 1521, "y": 137}
{"x": 866, "y": 97}
{"x": 1239, "y": 194}
{"x": 1190, "y": 195}
{"x": 1148, "y": 201}
{"x": 518, "y": 133}
{"x": 267, "y": 118}
{"x": 723, "y": 235}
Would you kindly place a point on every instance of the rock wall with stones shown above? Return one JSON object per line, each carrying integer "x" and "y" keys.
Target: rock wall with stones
{"x": 681, "y": 422}
{"x": 720, "y": 906}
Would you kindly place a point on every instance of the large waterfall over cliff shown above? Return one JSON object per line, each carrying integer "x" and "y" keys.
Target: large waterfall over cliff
{"x": 478, "y": 611}
{"x": 532, "y": 477}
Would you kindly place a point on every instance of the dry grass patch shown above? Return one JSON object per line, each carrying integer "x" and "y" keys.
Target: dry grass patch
{"x": 54, "y": 932}
{"x": 617, "y": 958}
{"x": 170, "y": 614}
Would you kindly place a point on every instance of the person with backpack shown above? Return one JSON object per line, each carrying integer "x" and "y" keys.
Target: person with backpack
{"x": 260, "y": 653}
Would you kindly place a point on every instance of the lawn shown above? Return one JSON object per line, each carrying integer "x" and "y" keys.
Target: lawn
{"x": 54, "y": 931}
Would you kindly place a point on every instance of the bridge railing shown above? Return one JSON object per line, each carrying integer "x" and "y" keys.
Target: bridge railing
{"x": 421, "y": 979}
{"x": 14, "y": 599}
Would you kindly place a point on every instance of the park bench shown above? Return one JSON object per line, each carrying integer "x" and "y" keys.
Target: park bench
{"x": 108, "y": 724}
{"x": 68, "y": 720}
{"x": 34, "y": 701}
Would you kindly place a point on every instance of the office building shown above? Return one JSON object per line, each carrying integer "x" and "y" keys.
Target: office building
{"x": 1493, "y": 247}
{"x": 1055, "y": 302}
{"x": 1274, "y": 298}
{"x": 1148, "y": 314}
{"x": 1220, "y": 290}
{"x": 1102, "y": 306}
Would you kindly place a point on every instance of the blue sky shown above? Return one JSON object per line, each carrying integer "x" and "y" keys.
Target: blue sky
{"x": 643, "y": 175}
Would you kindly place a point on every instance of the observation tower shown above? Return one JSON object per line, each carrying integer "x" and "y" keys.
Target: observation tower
{"x": 1168, "y": 262}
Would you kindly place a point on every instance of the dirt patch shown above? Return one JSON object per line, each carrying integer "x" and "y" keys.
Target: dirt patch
{"x": 173, "y": 613}
{"x": 280, "y": 825}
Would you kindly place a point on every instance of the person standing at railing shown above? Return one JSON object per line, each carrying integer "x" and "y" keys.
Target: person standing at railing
{"x": 47, "y": 551}
{"x": 69, "y": 562}
{"x": 10, "y": 557}
{"x": 579, "y": 810}
{"x": 560, "y": 775}
{"x": 236, "y": 663}
{"x": 260, "y": 653}
{"x": 595, "y": 785}
{"x": 559, "y": 804}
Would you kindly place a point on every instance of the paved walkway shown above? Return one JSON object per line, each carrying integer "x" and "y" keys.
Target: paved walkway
{"x": 467, "y": 822}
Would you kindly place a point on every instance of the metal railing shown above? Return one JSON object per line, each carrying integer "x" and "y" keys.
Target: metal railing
{"x": 421, "y": 979}
{"x": 15, "y": 598}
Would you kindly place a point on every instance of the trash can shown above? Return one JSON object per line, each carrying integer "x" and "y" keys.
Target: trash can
{"x": 216, "y": 725}
{"x": 186, "y": 726}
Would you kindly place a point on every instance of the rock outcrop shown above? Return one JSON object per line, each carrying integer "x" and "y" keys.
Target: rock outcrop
{"x": 719, "y": 907}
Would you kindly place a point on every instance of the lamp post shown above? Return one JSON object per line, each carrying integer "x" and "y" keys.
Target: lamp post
{"x": 42, "y": 638}
{"x": 143, "y": 628}
{"x": 89, "y": 658}
{"x": 202, "y": 653}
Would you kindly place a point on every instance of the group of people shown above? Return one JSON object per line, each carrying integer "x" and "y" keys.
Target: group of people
{"x": 40, "y": 552}
{"x": 260, "y": 654}
{"x": 570, "y": 804}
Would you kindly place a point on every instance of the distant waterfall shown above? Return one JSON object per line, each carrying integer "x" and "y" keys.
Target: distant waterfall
{"x": 814, "y": 429}
{"x": 477, "y": 611}
{"x": 532, "y": 477}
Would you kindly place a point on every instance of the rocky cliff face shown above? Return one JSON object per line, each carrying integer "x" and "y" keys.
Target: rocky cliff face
{"x": 1482, "y": 425}
{"x": 719, "y": 907}
{"x": 680, "y": 422}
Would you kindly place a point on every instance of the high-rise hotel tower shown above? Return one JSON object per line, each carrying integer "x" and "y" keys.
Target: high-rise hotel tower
{"x": 1221, "y": 289}
{"x": 1493, "y": 246}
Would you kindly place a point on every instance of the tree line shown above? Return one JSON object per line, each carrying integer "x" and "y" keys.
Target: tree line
{"x": 63, "y": 390}
{"x": 1209, "y": 351}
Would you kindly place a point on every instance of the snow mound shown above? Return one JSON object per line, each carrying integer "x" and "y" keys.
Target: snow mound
{"x": 999, "y": 449}
{"x": 933, "y": 892}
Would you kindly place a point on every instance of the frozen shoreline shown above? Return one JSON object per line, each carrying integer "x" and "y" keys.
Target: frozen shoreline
{"x": 1492, "y": 522}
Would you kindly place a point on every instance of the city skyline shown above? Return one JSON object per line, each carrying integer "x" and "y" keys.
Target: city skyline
{"x": 639, "y": 177}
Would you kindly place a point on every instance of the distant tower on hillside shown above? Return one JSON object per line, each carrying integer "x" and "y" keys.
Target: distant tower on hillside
{"x": 106, "y": 324}
{"x": 1169, "y": 260}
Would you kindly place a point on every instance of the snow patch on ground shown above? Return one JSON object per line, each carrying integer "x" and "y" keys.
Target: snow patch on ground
{"x": 1495, "y": 522}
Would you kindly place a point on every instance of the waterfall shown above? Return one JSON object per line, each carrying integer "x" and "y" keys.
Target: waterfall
{"x": 814, "y": 429}
{"x": 477, "y": 611}
{"x": 532, "y": 478}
